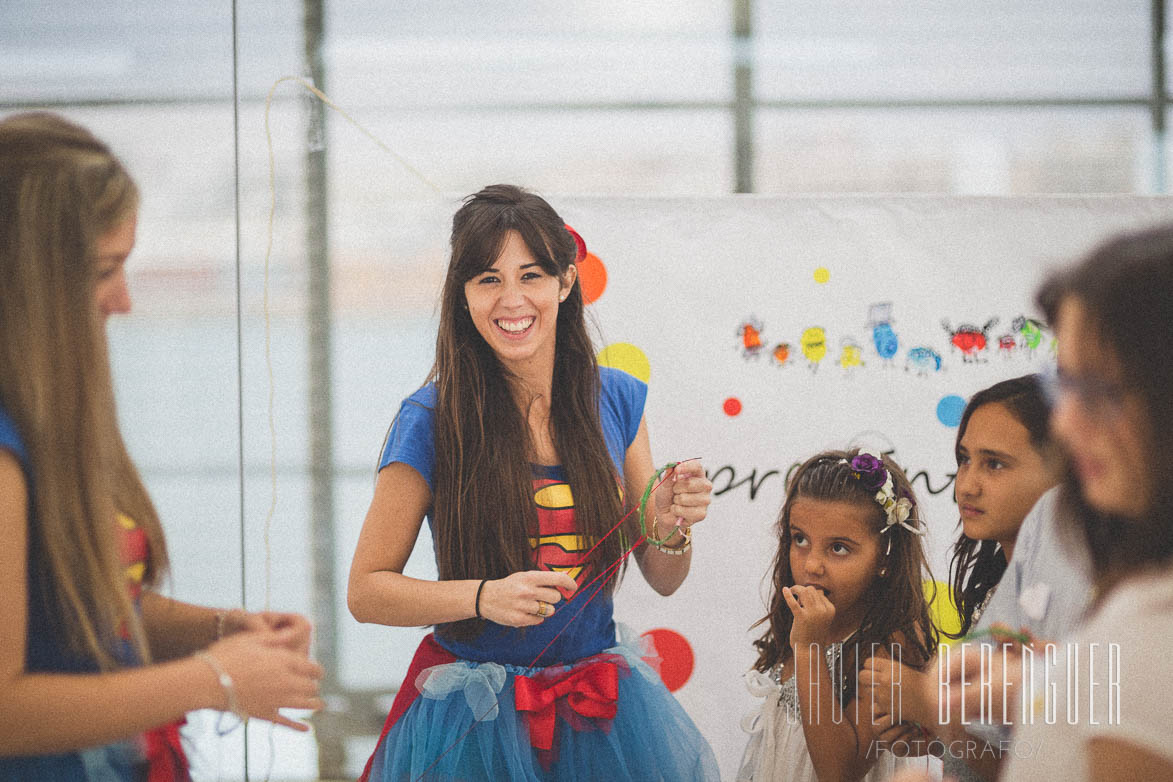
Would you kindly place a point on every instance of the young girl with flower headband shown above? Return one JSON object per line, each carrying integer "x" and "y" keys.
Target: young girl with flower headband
{"x": 846, "y": 586}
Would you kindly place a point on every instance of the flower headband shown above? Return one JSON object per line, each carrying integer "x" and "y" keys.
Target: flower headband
{"x": 869, "y": 470}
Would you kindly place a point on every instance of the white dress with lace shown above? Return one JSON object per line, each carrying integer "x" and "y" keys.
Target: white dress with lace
{"x": 777, "y": 751}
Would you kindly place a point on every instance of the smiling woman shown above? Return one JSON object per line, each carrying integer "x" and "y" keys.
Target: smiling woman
{"x": 515, "y": 452}
{"x": 514, "y": 306}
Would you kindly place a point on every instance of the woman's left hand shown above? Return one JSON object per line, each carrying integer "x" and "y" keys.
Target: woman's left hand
{"x": 683, "y": 498}
{"x": 236, "y": 621}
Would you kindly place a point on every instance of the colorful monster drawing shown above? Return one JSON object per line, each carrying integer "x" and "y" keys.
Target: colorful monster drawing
{"x": 883, "y": 337}
{"x": 814, "y": 346}
{"x": 1007, "y": 344}
{"x": 749, "y": 335}
{"x": 781, "y": 353}
{"x": 850, "y": 354}
{"x": 923, "y": 360}
{"x": 1031, "y": 332}
{"x": 969, "y": 339}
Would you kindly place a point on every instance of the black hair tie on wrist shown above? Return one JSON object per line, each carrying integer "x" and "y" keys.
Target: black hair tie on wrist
{"x": 477, "y": 605}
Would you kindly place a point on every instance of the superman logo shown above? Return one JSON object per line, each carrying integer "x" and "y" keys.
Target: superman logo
{"x": 557, "y": 546}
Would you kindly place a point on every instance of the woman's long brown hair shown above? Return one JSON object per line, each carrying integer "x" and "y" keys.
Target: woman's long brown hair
{"x": 483, "y": 506}
{"x": 61, "y": 189}
{"x": 1126, "y": 288}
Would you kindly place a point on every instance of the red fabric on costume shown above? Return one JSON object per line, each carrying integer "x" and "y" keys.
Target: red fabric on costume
{"x": 428, "y": 653}
{"x": 166, "y": 760}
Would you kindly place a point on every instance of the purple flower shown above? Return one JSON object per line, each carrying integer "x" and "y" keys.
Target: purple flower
{"x": 872, "y": 473}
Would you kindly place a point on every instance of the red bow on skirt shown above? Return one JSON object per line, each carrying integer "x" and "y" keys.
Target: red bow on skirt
{"x": 589, "y": 690}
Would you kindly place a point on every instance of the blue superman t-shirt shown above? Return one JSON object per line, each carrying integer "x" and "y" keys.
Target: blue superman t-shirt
{"x": 558, "y": 547}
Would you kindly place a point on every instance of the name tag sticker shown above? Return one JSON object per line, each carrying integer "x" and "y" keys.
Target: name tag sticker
{"x": 1033, "y": 600}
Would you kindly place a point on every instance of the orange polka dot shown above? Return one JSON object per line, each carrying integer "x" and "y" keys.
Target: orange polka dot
{"x": 732, "y": 406}
{"x": 592, "y": 275}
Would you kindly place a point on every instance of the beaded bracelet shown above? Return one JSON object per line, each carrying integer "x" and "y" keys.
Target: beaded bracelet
{"x": 685, "y": 534}
{"x": 225, "y": 682}
{"x": 643, "y": 509}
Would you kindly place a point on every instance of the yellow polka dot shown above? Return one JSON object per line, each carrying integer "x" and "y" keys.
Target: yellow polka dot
{"x": 941, "y": 609}
{"x": 822, "y": 275}
{"x": 627, "y": 357}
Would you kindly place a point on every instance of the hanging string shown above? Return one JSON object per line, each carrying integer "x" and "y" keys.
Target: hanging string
{"x": 268, "y": 568}
{"x": 265, "y": 304}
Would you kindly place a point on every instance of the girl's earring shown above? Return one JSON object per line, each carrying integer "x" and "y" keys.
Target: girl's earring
{"x": 883, "y": 572}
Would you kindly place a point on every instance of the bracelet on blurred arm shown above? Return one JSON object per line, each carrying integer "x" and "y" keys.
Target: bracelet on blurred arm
{"x": 225, "y": 682}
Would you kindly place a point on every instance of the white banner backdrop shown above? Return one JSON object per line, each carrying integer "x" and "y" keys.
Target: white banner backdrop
{"x": 719, "y": 303}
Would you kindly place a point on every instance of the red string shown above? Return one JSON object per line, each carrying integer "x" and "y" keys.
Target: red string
{"x": 609, "y": 572}
{"x": 611, "y": 569}
{"x": 626, "y": 516}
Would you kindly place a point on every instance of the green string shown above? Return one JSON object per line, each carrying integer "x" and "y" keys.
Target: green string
{"x": 643, "y": 506}
{"x": 1023, "y": 638}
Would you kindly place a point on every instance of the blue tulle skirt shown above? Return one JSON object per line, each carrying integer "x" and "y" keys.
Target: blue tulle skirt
{"x": 607, "y": 717}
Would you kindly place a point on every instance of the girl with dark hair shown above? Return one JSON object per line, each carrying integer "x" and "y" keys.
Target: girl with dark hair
{"x": 1002, "y": 471}
{"x": 96, "y": 665}
{"x": 847, "y": 585}
{"x": 521, "y": 451}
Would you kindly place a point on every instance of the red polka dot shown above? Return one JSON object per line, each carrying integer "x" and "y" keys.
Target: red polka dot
{"x": 592, "y": 275}
{"x": 732, "y": 406}
{"x": 676, "y": 657}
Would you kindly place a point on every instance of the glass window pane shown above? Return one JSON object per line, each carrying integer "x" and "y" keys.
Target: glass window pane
{"x": 654, "y": 151}
{"x": 953, "y": 151}
{"x": 953, "y": 49}
{"x": 447, "y": 52}
{"x": 75, "y": 51}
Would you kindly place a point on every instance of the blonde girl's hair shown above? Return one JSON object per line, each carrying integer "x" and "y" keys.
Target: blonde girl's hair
{"x": 61, "y": 189}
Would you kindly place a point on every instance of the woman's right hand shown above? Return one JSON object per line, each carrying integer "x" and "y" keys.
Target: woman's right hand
{"x": 518, "y": 599}
{"x": 268, "y": 675}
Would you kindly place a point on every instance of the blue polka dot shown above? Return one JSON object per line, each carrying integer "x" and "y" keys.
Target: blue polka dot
{"x": 949, "y": 410}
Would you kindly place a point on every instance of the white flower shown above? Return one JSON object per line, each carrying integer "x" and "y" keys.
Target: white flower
{"x": 902, "y": 510}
